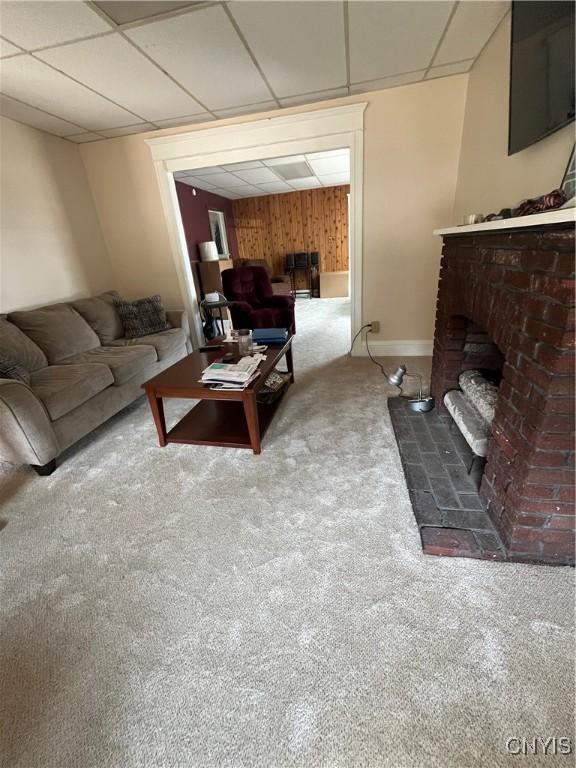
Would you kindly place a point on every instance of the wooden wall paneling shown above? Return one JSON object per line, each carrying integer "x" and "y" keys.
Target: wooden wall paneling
{"x": 269, "y": 227}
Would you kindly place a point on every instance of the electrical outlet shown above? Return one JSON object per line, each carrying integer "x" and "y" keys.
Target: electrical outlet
{"x": 375, "y": 326}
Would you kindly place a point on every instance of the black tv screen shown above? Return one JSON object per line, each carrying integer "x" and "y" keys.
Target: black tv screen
{"x": 541, "y": 70}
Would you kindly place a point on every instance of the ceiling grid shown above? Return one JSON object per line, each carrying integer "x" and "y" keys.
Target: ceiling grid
{"x": 87, "y": 71}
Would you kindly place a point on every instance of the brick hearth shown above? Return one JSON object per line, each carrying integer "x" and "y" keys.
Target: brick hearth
{"x": 506, "y": 305}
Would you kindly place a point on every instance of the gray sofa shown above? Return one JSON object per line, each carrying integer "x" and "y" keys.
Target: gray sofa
{"x": 81, "y": 372}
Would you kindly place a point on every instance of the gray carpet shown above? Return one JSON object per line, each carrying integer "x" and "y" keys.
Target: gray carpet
{"x": 202, "y": 607}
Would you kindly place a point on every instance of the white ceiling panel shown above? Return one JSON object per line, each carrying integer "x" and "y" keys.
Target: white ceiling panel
{"x": 202, "y": 172}
{"x": 197, "y": 182}
{"x": 117, "y": 70}
{"x": 203, "y": 117}
{"x": 388, "y": 82}
{"x": 127, "y": 130}
{"x": 335, "y": 179}
{"x": 84, "y": 138}
{"x": 243, "y": 166}
{"x": 393, "y": 37}
{"x": 249, "y": 109}
{"x": 469, "y": 30}
{"x": 203, "y": 52}
{"x": 275, "y": 187}
{"x": 221, "y": 178}
{"x": 288, "y": 160}
{"x": 25, "y": 78}
{"x": 298, "y": 52}
{"x": 333, "y": 164}
{"x": 7, "y": 49}
{"x": 35, "y": 24}
{"x": 310, "y": 183}
{"x": 308, "y": 98}
{"x": 125, "y": 11}
{"x": 34, "y": 117}
{"x": 449, "y": 69}
{"x": 257, "y": 175}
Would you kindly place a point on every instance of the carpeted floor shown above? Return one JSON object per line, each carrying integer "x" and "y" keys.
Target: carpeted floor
{"x": 193, "y": 607}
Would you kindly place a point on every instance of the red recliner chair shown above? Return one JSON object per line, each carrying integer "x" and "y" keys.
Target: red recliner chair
{"x": 252, "y": 303}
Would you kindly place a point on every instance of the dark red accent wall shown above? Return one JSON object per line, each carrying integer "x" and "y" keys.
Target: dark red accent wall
{"x": 194, "y": 210}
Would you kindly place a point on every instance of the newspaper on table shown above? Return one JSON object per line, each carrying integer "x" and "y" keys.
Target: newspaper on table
{"x": 232, "y": 375}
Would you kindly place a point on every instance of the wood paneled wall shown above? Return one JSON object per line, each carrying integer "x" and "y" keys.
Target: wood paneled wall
{"x": 271, "y": 226}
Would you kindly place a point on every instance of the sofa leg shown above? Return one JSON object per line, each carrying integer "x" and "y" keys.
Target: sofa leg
{"x": 44, "y": 469}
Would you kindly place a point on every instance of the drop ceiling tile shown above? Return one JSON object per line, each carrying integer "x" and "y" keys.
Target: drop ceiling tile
{"x": 197, "y": 182}
{"x": 309, "y": 98}
{"x": 243, "y": 166}
{"x": 201, "y": 172}
{"x": 257, "y": 175}
{"x": 36, "y": 24}
{"x": 125, "y": 11}
{"x": 25, "y": 78}
{"x": 388, "y": 82}
{"x": 127, "y": 130}
{"x": 203, "y": 52}
{"x": 274, "y": 186}
{"x": 117, "y": 70}
{"x": 246, "y": 190}
{"x": 22, "y": 113}
{"x": 223, "y": 179}
{"x": 449, "y": 69}
{"x": 469, "y": 30}
{"x": 300, "y": 48}
{"x": 174, "y": 122}
{"x": 7, "y": 49}
{"x": 248, "y": 109}
{"x": 288, "y": 160}
{"x": 335, "y": 179}
{"x": 83, "y": 138}
{"x": 393, "y": 37}
{"x": 333, "y": 164}
{"x": 309, "y": 183}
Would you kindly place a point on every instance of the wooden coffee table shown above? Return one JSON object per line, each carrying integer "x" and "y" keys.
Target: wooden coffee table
{"x": 229, "y": 418}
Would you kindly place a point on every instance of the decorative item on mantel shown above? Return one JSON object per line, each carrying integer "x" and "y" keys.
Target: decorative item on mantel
{"x": 569, "y": 180}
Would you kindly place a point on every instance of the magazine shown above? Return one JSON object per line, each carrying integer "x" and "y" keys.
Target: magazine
{"x": 232, "y": 375}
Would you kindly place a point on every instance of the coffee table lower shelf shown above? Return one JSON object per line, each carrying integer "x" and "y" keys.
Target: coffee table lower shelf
{"x": 220, "y": 423}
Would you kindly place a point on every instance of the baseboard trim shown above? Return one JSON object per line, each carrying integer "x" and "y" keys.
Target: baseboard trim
{"x": 395, "y": 348}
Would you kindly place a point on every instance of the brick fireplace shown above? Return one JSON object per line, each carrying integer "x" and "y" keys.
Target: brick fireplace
{"x": 506, "y": 306}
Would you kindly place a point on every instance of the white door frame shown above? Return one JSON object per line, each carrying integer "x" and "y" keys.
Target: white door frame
{"x": 296, "y": 134}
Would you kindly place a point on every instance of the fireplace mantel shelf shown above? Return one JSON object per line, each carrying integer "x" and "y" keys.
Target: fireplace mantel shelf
{"x": 564, "y": 215}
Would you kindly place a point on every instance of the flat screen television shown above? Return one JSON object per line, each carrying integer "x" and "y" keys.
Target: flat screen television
{"x": 541, "y": 70}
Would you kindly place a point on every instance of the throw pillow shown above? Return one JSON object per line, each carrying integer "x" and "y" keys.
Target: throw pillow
{"x": 12, "y": 370}
{"x": 143, "y": 316}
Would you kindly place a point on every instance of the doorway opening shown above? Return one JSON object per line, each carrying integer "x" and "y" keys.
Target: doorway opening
{"x": 286, "y": 215}
{"x": 301, "y": 134}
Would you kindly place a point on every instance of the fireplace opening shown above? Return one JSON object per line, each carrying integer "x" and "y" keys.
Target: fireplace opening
{"x": 472, "y": 402}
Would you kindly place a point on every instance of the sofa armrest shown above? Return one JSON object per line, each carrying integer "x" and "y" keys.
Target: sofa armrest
{"x": 178, "y": 318}
{"x": 26, "y": 432}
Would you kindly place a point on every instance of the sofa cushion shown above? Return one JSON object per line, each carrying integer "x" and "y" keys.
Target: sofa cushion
{"x": 58, "y": 330}
{"x": 9, "y": 369}
{"x": 142, "y": 317}
{"x": 124, "y": 362}
{"x": 64, "y": 387}
{"x": 165, "y": 342}
{"x": 19, "y": 348}
{"x": 101, "y": 315}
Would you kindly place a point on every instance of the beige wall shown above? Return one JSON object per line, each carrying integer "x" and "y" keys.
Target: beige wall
{"x": 488, "y": 179}
{"x": 412, "y": 142}
{"x": 51, "y": 244}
